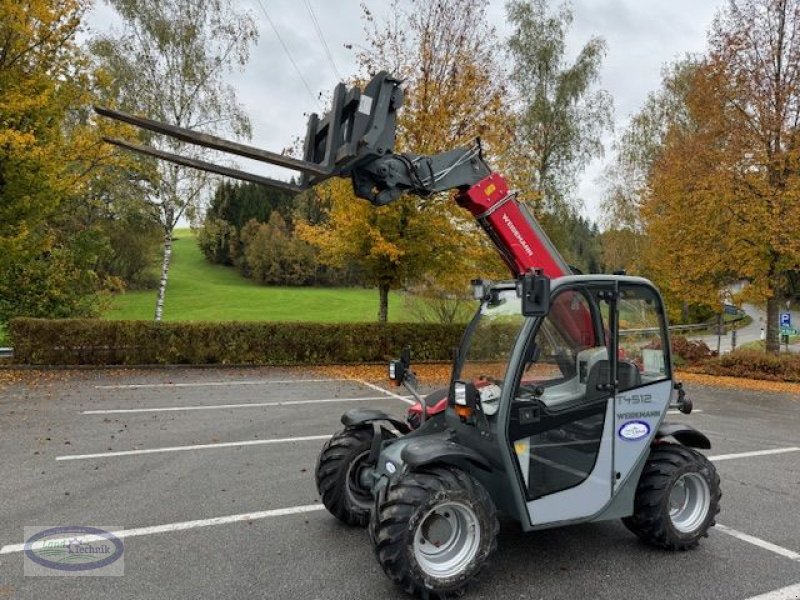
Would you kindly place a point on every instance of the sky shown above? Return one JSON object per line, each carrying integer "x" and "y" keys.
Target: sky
{"x": 641, "y": 35}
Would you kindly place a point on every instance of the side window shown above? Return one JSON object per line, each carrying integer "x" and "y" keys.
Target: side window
{"x": 568, "y": 357}
{"x": 642, "y": 356}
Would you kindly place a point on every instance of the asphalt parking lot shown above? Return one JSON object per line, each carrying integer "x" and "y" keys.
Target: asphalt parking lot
{"x": 210, "y": 472}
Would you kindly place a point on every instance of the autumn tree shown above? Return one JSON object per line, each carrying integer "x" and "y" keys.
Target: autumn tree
{"x": 559, "y": 112}
{"x": 628, "y": 176}
{"x": 445, "y": 52}
{"x": 50, "y": 153}
{"x": 169, "y": 63}
{"x": 725, "y": 192}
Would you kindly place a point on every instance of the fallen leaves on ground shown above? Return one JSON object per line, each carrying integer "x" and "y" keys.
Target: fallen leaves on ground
{"x": 760, "y": 385}
{"x": 427, "y": 373}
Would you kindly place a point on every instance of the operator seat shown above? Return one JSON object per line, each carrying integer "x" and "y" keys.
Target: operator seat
{"x": 628, "y": 372}
{"x": 598, "y": 374}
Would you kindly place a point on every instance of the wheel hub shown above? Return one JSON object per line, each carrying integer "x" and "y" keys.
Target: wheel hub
{"x": 447, "y": 539}
{"x": 689, "y": 502}
{"x": 437, "y": 529}
{"x": 358, "y": 482}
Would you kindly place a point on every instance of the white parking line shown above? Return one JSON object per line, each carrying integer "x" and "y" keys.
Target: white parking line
{"x": 785, "y": 552}
{"x": 378, "y": 388}
{"x": 720, "y": 457}
{"x": 134, "y": 386}
{"x": 114, "y": 411}
{"x": 305, "y": 438}
{"x": 788, "y": 593}
{"x": 128, "y": 533}
{"x": 677, "y": 412}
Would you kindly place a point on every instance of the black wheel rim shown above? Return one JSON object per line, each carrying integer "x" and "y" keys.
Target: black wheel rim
{"x": 357, "y": 494}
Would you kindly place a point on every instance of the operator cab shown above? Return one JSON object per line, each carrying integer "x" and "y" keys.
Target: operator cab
{"x": 566, "y": 354}
{"x": 559, "y": 386}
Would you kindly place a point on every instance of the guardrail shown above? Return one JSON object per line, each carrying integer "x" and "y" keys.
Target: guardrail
{"x": 697, "y": 327}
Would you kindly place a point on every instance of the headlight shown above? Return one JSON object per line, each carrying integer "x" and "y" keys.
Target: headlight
{"x": 460, "y": 393}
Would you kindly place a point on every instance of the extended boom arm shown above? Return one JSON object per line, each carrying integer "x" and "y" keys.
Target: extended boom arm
{"x": 356, "y": 139}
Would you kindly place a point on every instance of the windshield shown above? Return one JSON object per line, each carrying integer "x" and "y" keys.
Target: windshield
{"x": 491, "y": 339}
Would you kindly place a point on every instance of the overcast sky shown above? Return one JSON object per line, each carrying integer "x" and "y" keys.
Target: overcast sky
{"x": 642, "y": 35}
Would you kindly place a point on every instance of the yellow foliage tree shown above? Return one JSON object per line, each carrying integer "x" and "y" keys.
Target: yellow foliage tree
{"x": 49, "y": 148}
{"x": 725, "y": 192}
{"x": 445, "y": 52}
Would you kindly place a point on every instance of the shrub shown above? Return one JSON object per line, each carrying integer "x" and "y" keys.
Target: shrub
{"x": 755, "y": 365}
{"x": 57, "y": 283}
{"x": 135, "y": 245}
{"x": 689, "y": 351}
{"x": 99, "y": 342}
{"x": 218, "y": 241}
{"x": 274, "y": 257}
{"x": 431, "y": 302}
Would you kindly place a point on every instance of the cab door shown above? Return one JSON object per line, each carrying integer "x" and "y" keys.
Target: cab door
{"x": 644, "y": 377}
{"x": 561, "y": 416}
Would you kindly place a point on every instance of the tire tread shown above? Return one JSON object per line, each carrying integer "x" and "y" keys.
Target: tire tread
{"x": 395, "y": 507}
{"x": 650, "y": 521}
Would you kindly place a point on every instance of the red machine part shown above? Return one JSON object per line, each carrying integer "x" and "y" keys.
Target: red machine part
{"x": 516, "y": 234}
{"x": 522, "y": 243}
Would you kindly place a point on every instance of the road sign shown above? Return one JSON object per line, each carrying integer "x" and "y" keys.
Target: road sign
{"x": 788, "y": 331}
{"x": 730, "y": 309}
{"x": 786, "y": 319}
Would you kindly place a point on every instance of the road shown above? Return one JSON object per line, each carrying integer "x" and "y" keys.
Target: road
{"x": 210, "y": 472}
{"x": 751, "y": 332}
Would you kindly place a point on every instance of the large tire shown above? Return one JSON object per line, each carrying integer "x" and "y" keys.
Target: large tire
{"x": 337, "y": 475}
{"x": 433, "y": 531}
{"x": 677, "y": 499}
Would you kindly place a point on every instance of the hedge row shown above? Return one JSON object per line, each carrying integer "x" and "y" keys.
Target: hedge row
{"x": 753, "y": 364}
{"x": 98, "y": 342}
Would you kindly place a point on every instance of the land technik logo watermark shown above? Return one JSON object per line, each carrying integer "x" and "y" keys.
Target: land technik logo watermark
{"x": 73, "y": 550}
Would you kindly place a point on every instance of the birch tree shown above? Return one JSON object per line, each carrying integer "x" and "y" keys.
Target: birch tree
{"x": 169, "y": 62}
{"x": 560, "y": 113}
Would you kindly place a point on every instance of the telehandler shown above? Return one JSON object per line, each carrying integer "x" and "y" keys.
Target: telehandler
{"x": 556, "y": 409}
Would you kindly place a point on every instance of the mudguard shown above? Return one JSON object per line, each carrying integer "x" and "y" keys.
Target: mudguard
{"x": 684, "y": 434}
{"x": 364, "y": 416}
{"x": 426, "y": 450}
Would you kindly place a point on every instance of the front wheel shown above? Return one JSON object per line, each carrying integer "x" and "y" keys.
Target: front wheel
{"x": 343, "y": 475}
{"x": 433, "y": 530}
{"x": 677, "y": 499}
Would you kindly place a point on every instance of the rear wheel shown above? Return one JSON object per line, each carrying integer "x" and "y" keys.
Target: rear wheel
{"x": 433, "y": 530}
{"x": 677, "y": 499}
{"x": 343, "y": 475}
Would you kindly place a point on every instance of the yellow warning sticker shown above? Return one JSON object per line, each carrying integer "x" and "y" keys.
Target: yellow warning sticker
{"x": 520, "y": 447}
{"x": 490, "y": 189}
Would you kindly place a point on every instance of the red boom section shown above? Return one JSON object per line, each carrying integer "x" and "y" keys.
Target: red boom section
{"x": 518, "y": 237}
{"x": 524, "y": 246}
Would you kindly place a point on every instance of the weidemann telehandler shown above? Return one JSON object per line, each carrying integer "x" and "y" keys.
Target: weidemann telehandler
{"x": 555, "y": 412}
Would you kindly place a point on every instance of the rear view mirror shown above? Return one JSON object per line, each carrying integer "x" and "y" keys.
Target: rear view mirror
{"x": 399, "y": 369}
{"x": 534, "y": 290}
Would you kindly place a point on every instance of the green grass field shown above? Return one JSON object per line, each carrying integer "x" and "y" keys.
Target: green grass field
{"x": 200, "y": 291}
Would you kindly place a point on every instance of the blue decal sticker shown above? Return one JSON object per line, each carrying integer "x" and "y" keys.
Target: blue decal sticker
{"x": 633, "y": 431}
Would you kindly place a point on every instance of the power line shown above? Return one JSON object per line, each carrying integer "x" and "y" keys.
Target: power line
{"x": 289, "y": 54}
{"x": 321, "y": 37}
